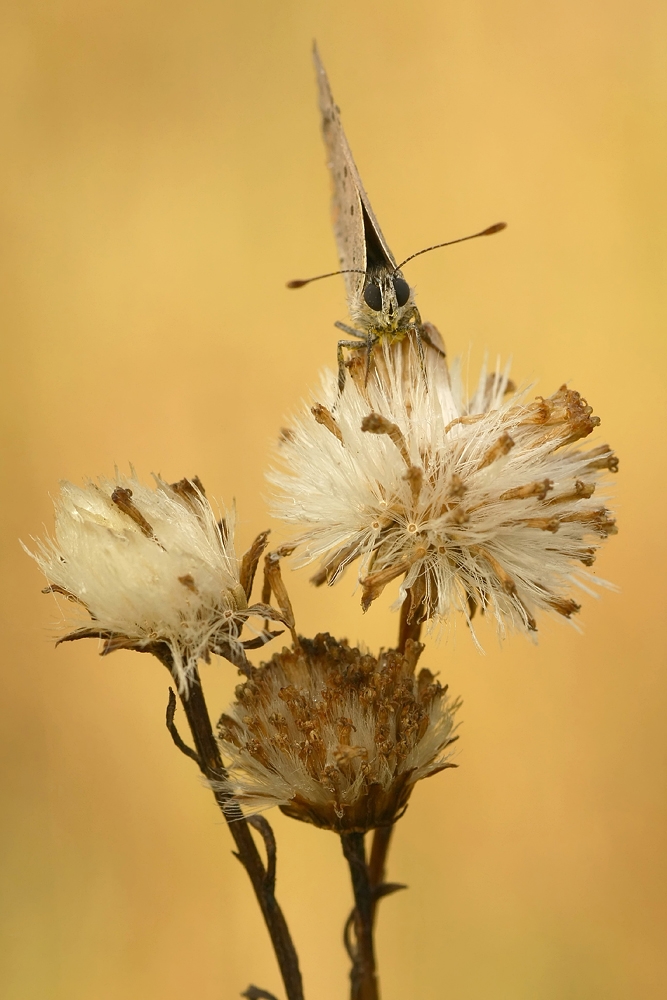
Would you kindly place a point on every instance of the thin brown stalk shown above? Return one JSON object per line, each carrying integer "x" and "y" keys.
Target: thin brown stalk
{"x": 211, "y": 766}
{"x": 377, "y": 865}
{"x": 363, "y": 977}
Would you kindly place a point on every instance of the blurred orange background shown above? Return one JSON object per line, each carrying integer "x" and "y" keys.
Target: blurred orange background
{"x": 162, "y": 177}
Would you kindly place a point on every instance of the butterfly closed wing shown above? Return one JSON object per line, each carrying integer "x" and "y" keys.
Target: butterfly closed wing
{"x": 380, "y": 300}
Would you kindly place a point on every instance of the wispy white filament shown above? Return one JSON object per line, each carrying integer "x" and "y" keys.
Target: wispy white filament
{"x": 453, "y": 512}
{"x": 173, "y": 579}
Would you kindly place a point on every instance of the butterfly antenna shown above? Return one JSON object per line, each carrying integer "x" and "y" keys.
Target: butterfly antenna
{"x": 300, "y": 282}
{"x": 495, "y": 228}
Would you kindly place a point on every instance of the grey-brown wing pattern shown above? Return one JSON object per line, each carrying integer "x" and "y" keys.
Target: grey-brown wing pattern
{"x": 381, "y": 302}
{"x": 352, "y": 212}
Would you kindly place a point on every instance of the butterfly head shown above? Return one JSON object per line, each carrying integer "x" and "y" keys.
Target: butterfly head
{"x": 386, "y": 302}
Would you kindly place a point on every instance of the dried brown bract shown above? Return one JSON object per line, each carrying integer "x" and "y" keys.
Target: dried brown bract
{"x": 335, "y": 736}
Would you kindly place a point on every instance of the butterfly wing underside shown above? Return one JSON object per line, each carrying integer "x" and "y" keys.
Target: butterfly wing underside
{"x": 355, "y": 225}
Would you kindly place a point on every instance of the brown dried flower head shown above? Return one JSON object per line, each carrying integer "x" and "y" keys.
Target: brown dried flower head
{"x": 335, "y": 736}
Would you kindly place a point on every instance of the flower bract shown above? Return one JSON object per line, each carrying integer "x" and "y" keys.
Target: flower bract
{"x": 335, "y": 736}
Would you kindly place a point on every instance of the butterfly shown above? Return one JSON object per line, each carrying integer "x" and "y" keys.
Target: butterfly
{"x": 380, "y": 301}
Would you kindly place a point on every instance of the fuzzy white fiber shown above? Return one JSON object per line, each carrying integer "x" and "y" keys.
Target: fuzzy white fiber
{"x": 176, "y": 581}
{"x": 462, "y": 537}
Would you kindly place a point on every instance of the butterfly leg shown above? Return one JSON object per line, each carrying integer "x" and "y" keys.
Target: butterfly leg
{"x": 351, "y": 330}
{"x": 419, "y": 338}
{"x": 424, "y": 334}
{"x": 353, "y": 345}
{"x": 361, "y": 335}
{"x": 371, "y": 341}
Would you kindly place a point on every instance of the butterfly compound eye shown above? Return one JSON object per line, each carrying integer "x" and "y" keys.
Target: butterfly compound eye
{"x": 373, "y": 296}
{"x": 402, "y": 289}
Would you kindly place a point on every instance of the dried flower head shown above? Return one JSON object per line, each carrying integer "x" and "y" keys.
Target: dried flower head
{"x": 487, "y": 502}
{"x": 151, "y": 567}
{"x": 335, "y": 736}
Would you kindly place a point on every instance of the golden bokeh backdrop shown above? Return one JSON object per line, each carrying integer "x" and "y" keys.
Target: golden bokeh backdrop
{"x": 162, "y": 177}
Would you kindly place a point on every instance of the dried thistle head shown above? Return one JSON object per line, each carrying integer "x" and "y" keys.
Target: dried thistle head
{"x": 334, "y": 736}
{"x": 489, "y": 502}
{"x": 146, "y": 568}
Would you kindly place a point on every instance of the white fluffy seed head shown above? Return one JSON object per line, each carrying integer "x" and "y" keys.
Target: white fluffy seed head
{"x": 140, "y": 566}
{"x": 484, "y": 502}
{"x": 334, "y": 736}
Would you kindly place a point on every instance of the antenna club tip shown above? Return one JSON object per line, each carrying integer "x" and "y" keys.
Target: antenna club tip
{"x": 297, "y": 283}
{"x": 496, "y": 228}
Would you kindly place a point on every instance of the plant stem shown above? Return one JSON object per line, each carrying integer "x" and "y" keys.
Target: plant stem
{"x": 409, "y": 629}
{"x": 382, "y": 835}
{"x": 211, "y": 766}
{"x": 363, "y": 979}
{"x": 377, "y": 864}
